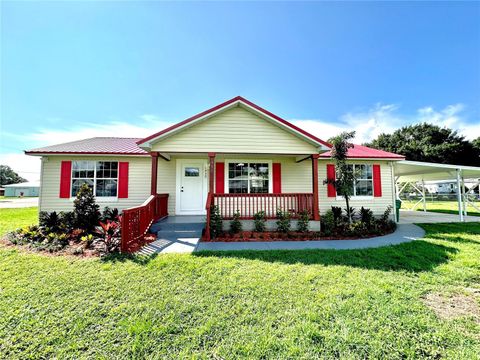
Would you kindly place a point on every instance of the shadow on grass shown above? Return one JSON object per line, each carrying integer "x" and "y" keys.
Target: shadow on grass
{"x": 137, "y": 259}
{"x": 415, "y": 256}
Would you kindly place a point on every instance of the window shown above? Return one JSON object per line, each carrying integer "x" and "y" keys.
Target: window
{"x": 192, "y": 171}
{"x": 100, "y": 176}
{"x": 248, "y": 178}
{"x": 364, "y": 183}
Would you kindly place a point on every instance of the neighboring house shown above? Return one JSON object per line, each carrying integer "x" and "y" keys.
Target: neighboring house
{"x": 245, "y": 157}
{"x": 22, "y": 189}
{"x": 449, "y": 186}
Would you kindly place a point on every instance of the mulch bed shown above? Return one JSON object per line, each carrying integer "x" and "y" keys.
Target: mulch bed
{"x": 252, "y": 236}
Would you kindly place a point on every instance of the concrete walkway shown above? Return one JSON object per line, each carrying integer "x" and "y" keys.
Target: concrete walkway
{"x": 14, "y": 202}
{"x": 404, "y": 233}
{"x": 428, "y": 217}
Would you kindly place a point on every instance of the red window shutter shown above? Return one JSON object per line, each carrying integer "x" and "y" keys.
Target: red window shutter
{"x": 377, "y": 181}
{"x": 277, "y": 178}
{"x": 65, "y": 179}
{"x": 331, "y": 192}
{"x": 123, "y": 180}
{"x": 220, "y": 178}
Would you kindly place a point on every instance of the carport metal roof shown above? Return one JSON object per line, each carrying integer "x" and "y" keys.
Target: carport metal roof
{"x": 408, "y": 171}
{"x": 417, "y": 171}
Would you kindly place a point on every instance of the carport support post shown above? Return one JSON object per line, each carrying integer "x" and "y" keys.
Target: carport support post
{"x": 459, "y": 195}
{"x": 423, "y": 196}
{"x": 464, "y": 198}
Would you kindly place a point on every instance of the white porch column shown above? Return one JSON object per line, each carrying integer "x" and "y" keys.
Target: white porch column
{"x": 459, "y": 195}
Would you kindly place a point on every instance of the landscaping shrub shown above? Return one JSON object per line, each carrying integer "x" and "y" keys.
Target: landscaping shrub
{"x": 260, "y": 220}
{"x": 283, "y": 222}
{"x": 67, "y": 221}
{"x": 235, "y": 224}
{"x": 303, "y": 221}
{"x": 109, "y": 238}
{"x": 49, "y": 220}
{"x": 366, "y": 215}
{"x": 337, "y": 215}
{"x": 215, "y": 222}
{"x": 328, "y": 223}
{"x": 109, "y": 214}
{"x": 86, "y": 210}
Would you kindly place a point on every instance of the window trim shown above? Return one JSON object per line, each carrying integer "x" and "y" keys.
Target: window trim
{"x": 256, "y": 161}
{"x": 98, "y": 198}
{"x": 359, "y": 197}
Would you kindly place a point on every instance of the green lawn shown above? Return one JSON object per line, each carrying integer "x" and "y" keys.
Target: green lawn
{"x": 446, "y": 207}
{"x": 277, "y": 304}
{"x": 10, "y": 219}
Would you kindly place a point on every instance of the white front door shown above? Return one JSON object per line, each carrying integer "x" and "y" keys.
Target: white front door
{"x": 191, "y": 187}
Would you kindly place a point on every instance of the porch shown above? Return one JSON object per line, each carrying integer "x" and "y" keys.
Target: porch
{"x": 199, "y": 182}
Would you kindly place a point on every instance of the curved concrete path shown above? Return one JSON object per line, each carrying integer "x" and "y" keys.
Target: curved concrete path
{"x": 404, "y": 233}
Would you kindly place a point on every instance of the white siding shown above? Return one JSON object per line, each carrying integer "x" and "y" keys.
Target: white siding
{"x": 377, "y": 204}
{"x": 235, "y": 130}
{"x": 296, "y": 178}
{"x": 138, "y": 183}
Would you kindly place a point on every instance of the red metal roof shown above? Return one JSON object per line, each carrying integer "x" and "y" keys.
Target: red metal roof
{"x": 96, "y": 145}
{"x": 363, "y": 152}
{"x": 226, "y": 103}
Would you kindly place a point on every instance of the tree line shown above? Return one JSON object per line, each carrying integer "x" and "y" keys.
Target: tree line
{"x": 430, "y": 143}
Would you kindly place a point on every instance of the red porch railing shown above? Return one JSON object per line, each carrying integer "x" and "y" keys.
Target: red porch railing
{"x": 137, "y": 220}
{"x": 249, "y": 204}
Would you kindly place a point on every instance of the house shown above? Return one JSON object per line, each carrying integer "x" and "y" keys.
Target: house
{"x": 236, "y": 155}
{"x": 445, "y": 187}
{"x": 22, "y": 189}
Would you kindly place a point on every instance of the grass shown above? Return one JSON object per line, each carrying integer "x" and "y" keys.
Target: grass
{"x": 11, "y": 219}
{"x": 270, "y": 304}
{"x": 445, "y": 207}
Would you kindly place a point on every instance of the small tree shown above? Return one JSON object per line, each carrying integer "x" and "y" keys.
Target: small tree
{"x": 216, "y": 222}
{"x": 345, "y": 176}
{"x": 87, "y": 211}
{"x": 236, "y": 224}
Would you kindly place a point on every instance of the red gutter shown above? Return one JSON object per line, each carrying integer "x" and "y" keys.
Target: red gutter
{"x": 82, "y": 153}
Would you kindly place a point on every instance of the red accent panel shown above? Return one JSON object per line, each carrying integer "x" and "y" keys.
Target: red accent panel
{"x": 220, "y": 178}
{"x": 277, "y": 178}
{"x": 65, "y": 179}
{"x": 123, "y": 180}
{"x": 377, "y": 181}
{"x": 331, "y": 192}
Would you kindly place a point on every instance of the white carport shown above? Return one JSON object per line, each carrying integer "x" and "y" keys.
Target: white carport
{"x": 416, "y": 173}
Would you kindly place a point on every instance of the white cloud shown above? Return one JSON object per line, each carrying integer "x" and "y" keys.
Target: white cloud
{"x": 148, "y": 125}
{"x": 385, "y": 118}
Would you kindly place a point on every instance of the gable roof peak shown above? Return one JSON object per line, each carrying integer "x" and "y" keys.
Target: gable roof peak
{"x": 227, "y": 104}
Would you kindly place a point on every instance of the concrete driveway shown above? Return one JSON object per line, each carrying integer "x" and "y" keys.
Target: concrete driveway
{"x": 11, "y": 203}
{"x": 419, "y": 217}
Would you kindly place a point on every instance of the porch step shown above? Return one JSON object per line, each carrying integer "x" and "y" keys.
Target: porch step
{"x": 169, "y": 227}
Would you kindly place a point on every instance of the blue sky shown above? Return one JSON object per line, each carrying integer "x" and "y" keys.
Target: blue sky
{"x": 77, "y": 69}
